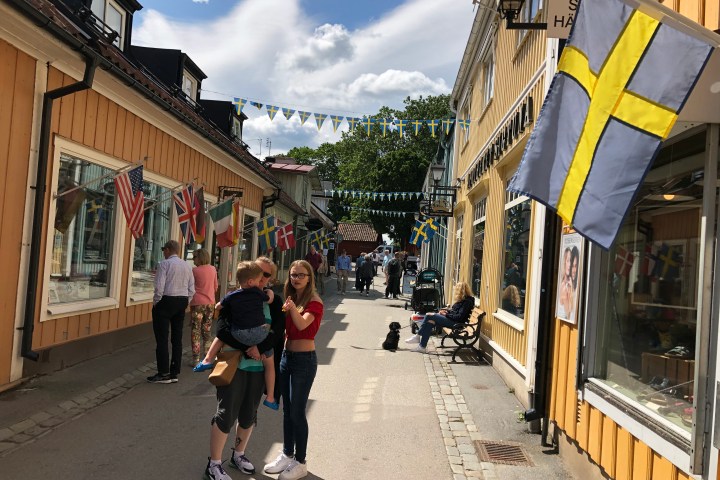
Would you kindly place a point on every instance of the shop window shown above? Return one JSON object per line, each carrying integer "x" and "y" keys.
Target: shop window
{"x": 147, "y": 251}
{"x": 516, "y": 245}
{"x": 647, "y": 311}
{"x": 84, "y": 235}
{"x": 479, "y": 213}
{"x": 458, "y": 248}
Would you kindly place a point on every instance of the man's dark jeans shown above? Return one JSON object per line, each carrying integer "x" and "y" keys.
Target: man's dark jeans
{"x": 297, "y": 373}
{"x": 168, "y": 317}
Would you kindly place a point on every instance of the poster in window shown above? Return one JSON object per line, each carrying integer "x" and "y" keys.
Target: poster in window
{"x": 569, "y": 274}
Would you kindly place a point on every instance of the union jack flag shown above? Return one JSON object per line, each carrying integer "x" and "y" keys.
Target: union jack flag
{"x": 186, "y": 206}
{"x": 129, "y": 188}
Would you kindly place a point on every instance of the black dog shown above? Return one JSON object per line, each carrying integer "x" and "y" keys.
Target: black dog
{"x": 393, "y": 337}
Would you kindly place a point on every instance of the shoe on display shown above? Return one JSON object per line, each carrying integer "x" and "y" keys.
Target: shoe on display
{"x": 279, "y": 464}
{"x": 241, "y": 463}
{"x": 215, "y": 472}
{"x": 414, "y": 339}
{"x": 294, "y": 471}
{"x": 161, "y": 378}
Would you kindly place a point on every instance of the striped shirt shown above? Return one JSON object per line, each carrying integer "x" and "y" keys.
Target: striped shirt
{"x": 173, "y": 278}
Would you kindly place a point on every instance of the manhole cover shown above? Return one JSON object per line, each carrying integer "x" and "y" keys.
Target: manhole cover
{"x": 506, "y": 453}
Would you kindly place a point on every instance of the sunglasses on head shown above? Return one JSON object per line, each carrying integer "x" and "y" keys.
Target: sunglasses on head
{"x": 298, "y": 276}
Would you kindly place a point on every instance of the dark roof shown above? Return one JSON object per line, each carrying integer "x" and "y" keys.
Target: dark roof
{"x": 357, "y": 232}
{"x": 47, "y": 14}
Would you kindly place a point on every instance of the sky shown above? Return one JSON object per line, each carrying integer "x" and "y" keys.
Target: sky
{"x": 320, "y": 56}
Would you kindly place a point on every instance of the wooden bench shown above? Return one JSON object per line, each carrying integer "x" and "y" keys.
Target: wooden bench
{"x": 466, "y": 335}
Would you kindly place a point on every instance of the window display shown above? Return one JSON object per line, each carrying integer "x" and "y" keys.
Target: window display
{"x": 517, "y": 244}
{"x": 82, "y": 247}
{"x": 478, "y": 245}
{"x": 648, "y": 289}
{"x": 147, "y": 252}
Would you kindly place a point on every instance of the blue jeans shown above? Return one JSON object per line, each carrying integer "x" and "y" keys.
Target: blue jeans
{"x": 297, "y": 373}
{"x": 252, "y": 336}
{"x": 426, "y": 328}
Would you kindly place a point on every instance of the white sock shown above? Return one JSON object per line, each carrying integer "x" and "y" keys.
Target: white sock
{"x": 238, "y": 454}
{"x": 215, "y": 462}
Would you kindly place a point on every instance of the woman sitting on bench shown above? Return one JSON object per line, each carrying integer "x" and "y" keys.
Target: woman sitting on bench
{"x": 458, "y": 313}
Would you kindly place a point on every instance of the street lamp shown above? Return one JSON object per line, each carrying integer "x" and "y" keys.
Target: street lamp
{"x": 510, "y": 10}
{"x": 437, "y": 170}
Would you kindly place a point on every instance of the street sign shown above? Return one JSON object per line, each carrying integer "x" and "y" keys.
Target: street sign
{"x": 561, "y": 16}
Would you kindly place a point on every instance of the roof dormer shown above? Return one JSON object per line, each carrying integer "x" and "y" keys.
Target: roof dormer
{"x": 107, "y": 19}
{"x": 173, "y": 68}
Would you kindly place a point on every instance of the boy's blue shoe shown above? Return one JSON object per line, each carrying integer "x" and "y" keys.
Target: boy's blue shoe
{"x": 273, "y": 405}
{"x": 201, "y": 367}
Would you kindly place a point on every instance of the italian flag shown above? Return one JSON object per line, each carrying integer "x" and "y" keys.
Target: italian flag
{"x": 226, "y": 218}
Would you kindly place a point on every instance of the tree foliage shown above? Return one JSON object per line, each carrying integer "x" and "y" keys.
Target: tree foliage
{"x": 377, "y": 163}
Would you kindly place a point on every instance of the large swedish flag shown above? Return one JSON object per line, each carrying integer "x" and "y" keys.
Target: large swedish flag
{"x": 266, "y": 233}
{"x": 418, "y": 234}
{"x": 622, "y": 80}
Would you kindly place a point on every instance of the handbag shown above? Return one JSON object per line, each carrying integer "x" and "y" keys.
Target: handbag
{"x": 225, "y": 368}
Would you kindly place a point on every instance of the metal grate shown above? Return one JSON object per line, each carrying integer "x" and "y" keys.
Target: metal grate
{"x": 507, "y": 453}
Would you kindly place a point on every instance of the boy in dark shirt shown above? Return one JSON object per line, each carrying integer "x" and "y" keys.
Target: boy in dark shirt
{"x": 242, "y": 324}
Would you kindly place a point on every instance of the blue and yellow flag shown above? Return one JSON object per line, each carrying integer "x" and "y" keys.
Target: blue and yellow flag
{"x": 416, "y": 125}
{"x": 431, "y": 229}
{"x": 257, "y": 105}
{"x": 239, "y": 104}
{"x": 622, "y": 80}
{"x": 319, "y": 119}
{"x": 401, "y": 124}
{"x": 271, "y": 111}
{"x": 418, "y": 234}
{"x": 432, "y": 125}
{"x": 447, "y": 123}
{"x": 352, "y": 122}
{"x": 384, "y": 124}
{"x": 303, "y": 116}
{"x": 288, "y": 112}
{"x": 336, "y": 121}
{"x": 315, "y": 239}
{"x": 464, "y": 123}
{"x": 266, "y": 233}
{"x": 367, "y": 124}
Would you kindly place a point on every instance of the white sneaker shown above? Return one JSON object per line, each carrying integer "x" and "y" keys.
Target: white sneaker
{"x": 279, "y": 464}
{"x": 419, "y": 349}
{"x": 414, "y": 339}
{"x": 294, "y": 471}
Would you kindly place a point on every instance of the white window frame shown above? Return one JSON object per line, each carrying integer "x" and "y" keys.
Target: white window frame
{"x": 119, "y": 41}
{"x": 525, "y": 17}
{"x": 479, "y": 216}
{"x": 112, "y": 301}
{"x": 458, "y": 247}
{"x": 488, "y": 71}
{"x": 236, "y": 129}
{"x": 191, "y": 82}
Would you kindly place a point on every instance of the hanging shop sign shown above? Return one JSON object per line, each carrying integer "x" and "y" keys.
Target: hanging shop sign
{"x": 503, "y": 140}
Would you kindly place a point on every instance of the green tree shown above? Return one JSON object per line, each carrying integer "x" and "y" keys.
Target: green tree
{"x": 380, "y": 163}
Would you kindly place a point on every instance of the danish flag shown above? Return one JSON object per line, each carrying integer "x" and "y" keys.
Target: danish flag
{"x": 285, "y": 237}
{"x": 623, "y": 261}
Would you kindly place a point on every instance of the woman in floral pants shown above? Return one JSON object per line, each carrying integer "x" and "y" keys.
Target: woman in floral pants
{"x": 202, "y": 305}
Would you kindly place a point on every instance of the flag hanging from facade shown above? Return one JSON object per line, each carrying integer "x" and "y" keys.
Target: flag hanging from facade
{"x": 624, "y": 260}
{"x": 418, "y": 234}
{"x": 266, "y": 233}
{"x": 622, "y": 80}
{"x": 431, "y": 229}
{"x": 285, "y": 237}
{"x": 200, "y": 215}
{"x": 185, "y": 204}
{"x": 225, "y": 221}
{"x": 315, "y": 239}
{"x": 129, "y": 189}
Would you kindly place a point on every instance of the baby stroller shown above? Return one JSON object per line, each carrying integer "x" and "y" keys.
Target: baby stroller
{"x": 427, "y": 295}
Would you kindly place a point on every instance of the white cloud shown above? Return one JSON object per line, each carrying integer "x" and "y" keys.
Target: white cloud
{"x": 270, "y": 51}
{"x": 201, "y": 1}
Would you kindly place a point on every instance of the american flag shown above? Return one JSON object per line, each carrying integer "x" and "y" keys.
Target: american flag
{"x": 185, "y": 204}
{"x": 129, "y": 188}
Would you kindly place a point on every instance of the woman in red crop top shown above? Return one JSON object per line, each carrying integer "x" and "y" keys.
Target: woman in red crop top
{"x": 298, "y": 366}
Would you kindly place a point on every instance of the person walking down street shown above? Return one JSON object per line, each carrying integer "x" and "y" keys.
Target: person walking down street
{"x": 237, "y": 403}
{"x": 386, "y": 260}
{"x": 458, "y": 313}
{"x": 174, "y": 287}
{"x": 202, "y": 304}
{"x": 358, "y": 264}
{"x": 367, "y": 272}
{"x": 298, "y": 368}
{"x": 394, "y": 271}
{"x": 315, "y": 260}
{"x": 343, "y": 269}
{"x": 322, "y": 272}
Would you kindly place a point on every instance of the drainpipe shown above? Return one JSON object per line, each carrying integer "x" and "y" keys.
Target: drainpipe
{"x": 539, "y": 397}
{"x": 91, "y": 63}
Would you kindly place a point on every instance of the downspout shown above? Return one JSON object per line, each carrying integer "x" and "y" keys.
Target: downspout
{"x": 91, "y": 63}
{"x": 539, "y": 397}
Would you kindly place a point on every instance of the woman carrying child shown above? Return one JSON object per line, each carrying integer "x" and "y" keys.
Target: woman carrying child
{"x": 298, "y": 367}
{"x": 239, "y": 401}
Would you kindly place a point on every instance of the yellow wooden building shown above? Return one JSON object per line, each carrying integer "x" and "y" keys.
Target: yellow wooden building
{"x": 617, "y": 351}
{"x": 74, "y": 108}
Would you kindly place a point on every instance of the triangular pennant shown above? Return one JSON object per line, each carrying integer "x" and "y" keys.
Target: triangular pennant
{"x": 352, "y": 122}
{"x": 303, "y": 116}
{"x": 367, "y": 124}
{"x": 447, "y": 123}
{"x": 319, "y": 119}
{"x": 401, "y": 124}
{"x": 239, "y": 104}
{"x": 384, "y": 124}
{"x": 416, "y": 125}
{"x": 432, "y": 125}
{"x": 271, "y": 111}
{"x": 288, "y": 112}
{"x": 336, "y": 120}
{"x": 257, "y": 105}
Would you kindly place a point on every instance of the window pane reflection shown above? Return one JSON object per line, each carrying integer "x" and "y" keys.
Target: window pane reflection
{"x": 147, "y": 253}
{"x": 517, "y": 242}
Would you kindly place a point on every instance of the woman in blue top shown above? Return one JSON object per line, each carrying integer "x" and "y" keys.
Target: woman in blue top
{"x": 458, "y": 313}
{"x": 239, "y": 401}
